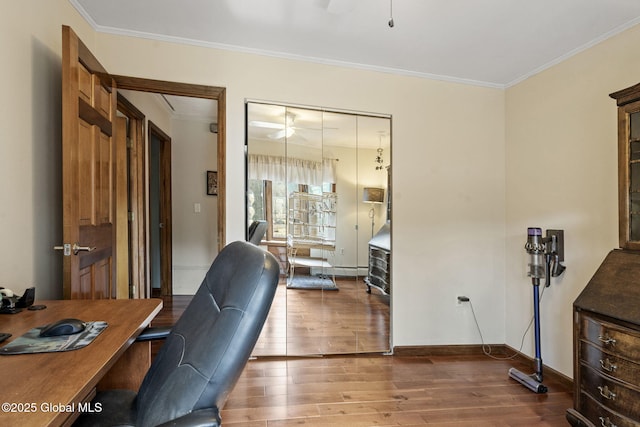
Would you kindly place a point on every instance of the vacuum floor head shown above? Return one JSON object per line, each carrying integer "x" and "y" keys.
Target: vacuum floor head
{"x": 527, "y": 381}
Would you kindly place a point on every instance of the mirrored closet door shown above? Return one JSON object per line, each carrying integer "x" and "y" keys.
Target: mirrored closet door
{"x": 318, "y": 195}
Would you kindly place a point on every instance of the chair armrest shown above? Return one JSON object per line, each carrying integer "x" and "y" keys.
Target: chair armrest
{"x": 201, "y": 418}
{"x": 154, "y": 333}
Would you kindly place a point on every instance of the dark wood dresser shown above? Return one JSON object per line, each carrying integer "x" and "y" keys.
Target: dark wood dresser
{"x": 607, "y": 345}
{"x": 379, "y": 271}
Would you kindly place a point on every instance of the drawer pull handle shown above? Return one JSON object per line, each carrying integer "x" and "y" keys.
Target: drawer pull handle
{"x": 607, "y": 365}
{"x": 606, "y": 393}
{"x": 606, "y": 340}
{"x": 606, "y": 422}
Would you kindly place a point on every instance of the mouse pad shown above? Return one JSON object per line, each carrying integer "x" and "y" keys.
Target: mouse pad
{"x": 31, "y": 342}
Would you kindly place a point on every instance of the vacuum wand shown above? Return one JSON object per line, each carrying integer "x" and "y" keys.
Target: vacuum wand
{"x": 544, "y": 251}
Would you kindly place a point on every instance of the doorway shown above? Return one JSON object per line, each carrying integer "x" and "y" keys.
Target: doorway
{"x": 89, "y": 99}
{"x": 139, "y": 216}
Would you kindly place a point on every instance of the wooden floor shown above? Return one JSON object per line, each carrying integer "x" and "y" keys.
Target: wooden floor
{"x": 390, "y": 390}
{"x": 313, "y": 322}
{"x": 349, "y": 320}
{"x": 379, "y": 390}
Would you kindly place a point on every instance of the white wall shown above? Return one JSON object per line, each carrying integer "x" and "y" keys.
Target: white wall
{"x": 30, "y": 150}
{"x": 195, "y": 241}
{"x": 152, "y": 108}
{"x": 562, "y": 173}
{"x": 449, "y": 186}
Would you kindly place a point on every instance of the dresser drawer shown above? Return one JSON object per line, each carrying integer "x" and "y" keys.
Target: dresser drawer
{"x": 379, "y": 281}
{"x": 607, "y": 363}
{"x": 616, "y": 339}
{"x": 610, "y": 393}
{"x": 602, "y": 416}
{"x": 378, "y": 263}
{"x": 379, "y": 254}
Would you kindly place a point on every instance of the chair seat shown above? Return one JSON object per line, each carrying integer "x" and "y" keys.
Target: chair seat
{"x": 112, "y": 408}
{"x": 117, "y": 408}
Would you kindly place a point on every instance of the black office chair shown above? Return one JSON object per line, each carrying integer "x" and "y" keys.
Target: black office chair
{"x": 256, "y": 231}
{"x": 205, "y": 352}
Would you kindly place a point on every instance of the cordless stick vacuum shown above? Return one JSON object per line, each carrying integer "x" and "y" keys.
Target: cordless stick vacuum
{"x": 546, "y": 254}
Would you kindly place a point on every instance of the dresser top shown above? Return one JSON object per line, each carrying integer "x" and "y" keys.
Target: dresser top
{"x": 382, "y": 239}
{"x": 614, "y": 290}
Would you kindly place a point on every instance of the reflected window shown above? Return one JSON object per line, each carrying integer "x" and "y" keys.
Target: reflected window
{"x": 267, "y": 200}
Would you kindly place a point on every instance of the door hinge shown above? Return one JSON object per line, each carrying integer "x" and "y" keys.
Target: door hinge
{"x": 129, "y": 142}
{"x": 132, "y": 216}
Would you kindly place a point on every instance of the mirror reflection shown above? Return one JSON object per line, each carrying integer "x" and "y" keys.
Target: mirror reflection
{"x": 317, "y": 197}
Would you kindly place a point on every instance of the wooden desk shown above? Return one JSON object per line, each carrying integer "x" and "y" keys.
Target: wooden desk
{"x": 38, "y": 383}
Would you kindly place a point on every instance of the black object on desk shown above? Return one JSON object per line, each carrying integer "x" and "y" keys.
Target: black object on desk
{"x": 12, "y": 305}
{"x": 4, "y": 336}
{"x": 27, "y": 299}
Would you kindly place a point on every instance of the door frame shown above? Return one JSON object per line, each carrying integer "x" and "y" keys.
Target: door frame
{"x": 136, "y": 199}
{"x": 216, "y": 93}
{"x": 140, "y": 266}
{"x": 164, "y": 199}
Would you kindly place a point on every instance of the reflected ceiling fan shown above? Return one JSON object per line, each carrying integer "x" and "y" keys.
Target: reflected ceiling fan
{"x": 282, "y": 130}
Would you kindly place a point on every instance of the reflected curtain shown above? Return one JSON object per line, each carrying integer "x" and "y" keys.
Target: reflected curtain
{"x": 282, "y": 169}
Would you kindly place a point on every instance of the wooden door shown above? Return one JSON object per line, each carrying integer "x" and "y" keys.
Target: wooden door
{"x": 88, "y": 173}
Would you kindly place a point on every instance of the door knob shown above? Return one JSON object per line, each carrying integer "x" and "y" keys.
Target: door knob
{"x": 77, "y": 248}
{"x": 67, "y": 249}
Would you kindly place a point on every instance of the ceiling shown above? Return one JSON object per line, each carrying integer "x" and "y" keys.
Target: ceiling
{"x": 494, "y": 43}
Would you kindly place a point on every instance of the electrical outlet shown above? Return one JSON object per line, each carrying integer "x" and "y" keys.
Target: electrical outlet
{"x": 460, "y": 300}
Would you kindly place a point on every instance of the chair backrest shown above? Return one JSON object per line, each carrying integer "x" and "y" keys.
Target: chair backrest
{"x": 256, "y": 231}
{"x": 210, "y": 344}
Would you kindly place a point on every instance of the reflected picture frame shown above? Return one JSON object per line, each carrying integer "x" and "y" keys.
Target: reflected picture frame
{"x": 212, "y": 183}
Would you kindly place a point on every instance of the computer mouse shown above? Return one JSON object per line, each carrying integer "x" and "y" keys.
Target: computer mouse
{"x": 63, "y": 327}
